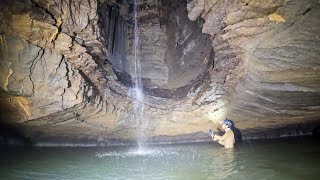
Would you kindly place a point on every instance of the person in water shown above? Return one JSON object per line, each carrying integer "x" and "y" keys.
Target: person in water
{"x": 227, "y": 140}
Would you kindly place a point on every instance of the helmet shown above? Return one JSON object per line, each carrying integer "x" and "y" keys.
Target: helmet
{"x": 227, "y": 122}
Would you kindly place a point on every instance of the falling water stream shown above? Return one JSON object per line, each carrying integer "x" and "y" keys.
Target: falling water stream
{"x": 137, "y": 89}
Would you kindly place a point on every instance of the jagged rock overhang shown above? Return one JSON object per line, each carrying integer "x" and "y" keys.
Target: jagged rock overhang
{"x": 174, "y": 54}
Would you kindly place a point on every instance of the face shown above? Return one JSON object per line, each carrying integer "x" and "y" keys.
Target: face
{"x": 224, "y": 126}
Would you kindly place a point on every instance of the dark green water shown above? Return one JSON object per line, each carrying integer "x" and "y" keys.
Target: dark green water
{"x": 297, "y": 158}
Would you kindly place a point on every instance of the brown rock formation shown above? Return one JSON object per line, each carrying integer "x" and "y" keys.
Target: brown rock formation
{"x": 66, "y": 67}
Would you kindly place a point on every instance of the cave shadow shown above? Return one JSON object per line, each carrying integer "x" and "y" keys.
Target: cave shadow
{"x": 316, "y": 132}
{"x": 12, "y": 135}
{"x": 237, "y": 134}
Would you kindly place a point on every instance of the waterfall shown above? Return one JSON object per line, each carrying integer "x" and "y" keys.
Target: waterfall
{"x": 124, "y": 53}
{"x": 137, "y": 88}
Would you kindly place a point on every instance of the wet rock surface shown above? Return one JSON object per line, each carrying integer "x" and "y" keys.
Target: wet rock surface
{"x": 66, "y": 67}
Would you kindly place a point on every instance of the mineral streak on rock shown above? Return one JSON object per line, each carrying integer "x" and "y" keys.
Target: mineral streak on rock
{"x": 66, "y": 66}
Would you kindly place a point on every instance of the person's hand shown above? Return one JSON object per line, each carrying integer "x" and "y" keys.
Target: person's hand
{"x": 214, "y": 138}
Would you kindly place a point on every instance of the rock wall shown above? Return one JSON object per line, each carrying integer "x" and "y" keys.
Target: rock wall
{"x": 273, "y": 45}
{"x": 170, "y": 45}
{"x": 52, "y": 65}
{"x": 66, "y": 68}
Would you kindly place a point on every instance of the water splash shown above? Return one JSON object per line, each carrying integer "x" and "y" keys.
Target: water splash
{"x": 135, "y": 153}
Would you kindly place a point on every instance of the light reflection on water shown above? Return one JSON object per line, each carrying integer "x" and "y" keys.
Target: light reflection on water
{"x": 272, "y": 159}
{"x": 146, "y": 153}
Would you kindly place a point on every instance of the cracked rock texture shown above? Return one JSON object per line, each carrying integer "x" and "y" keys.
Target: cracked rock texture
{"x": 66, "y": 68}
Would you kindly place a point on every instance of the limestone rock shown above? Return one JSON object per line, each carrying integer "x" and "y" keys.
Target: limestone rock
{"x": 66, "y": 68}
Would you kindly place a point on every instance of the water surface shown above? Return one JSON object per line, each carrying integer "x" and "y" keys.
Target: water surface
{"x": 294, "y": 158}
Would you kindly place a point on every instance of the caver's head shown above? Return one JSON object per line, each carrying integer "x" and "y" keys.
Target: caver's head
{"x": 226, "y": 124}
